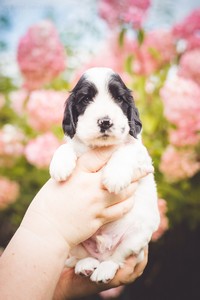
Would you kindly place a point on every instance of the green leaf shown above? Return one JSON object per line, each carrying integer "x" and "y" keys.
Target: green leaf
{"x": 121, "y": 37}
{"x": 140, "y": 36}
{"x": 128, "y": 64}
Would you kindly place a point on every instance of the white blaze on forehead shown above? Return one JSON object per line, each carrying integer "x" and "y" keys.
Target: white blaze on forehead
{"x": 99, "y": 76}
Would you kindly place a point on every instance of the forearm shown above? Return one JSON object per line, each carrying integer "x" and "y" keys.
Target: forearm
{"x": 31, "y": 264}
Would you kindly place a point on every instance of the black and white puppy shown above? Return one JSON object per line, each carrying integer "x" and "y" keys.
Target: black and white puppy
{"x": 101, "y": 112}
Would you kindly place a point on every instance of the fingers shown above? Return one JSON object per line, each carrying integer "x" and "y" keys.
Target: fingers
{"x": 94, "y": 160}
{"x": 117, "y": 211}
{"x": 116, "y": 206}
{"x": 130, "y": 271}
{"x": 141, "y": 266}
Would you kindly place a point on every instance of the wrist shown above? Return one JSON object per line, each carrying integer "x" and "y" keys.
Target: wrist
{"x": 38, "y": 258}
{"x": 44, "y": 230}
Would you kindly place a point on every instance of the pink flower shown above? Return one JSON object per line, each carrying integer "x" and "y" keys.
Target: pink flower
{"x": 18, "y": 99}
{"x": 189, "y": 66}
{"x": 179, "y": 164}
{"x": 189, "y": 26}
{"x": 123, "y": 11}
{"x": 184, "y": 136}
{"x": 164, "y": 224}
{"x": 193, "y": 42}
{"x": 182, "y": 107}
{"x": 41, "y": 56}
{"x": 11, "y": 141}
{"x": 9, "y": 191}
{"x": 157, "y": 49}
{"x": 45, "y": 109}
{"x": 39, "y": 151}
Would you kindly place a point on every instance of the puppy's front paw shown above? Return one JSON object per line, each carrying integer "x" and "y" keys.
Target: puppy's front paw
{"x": 62, "y": 163}
{"x": 141, "y": 171}
{"x": 86, "y": 266}
{"x": 116, "y": 179}
{"x": 105, "y": 272}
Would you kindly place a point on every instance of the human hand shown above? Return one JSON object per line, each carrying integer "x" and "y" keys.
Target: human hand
{"x": 74, "y": 210}
{"x": 71, "y": 286}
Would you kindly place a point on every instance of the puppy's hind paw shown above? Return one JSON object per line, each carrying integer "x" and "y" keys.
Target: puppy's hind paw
{"x": 86, "y": 266}
{"x": 105, "y": 272}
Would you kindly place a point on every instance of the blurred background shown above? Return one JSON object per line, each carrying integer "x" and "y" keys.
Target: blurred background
{"x": 155, "y": 47}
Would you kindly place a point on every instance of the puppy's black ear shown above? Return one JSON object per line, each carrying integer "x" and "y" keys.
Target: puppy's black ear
{"x": 70, "y": 117}
{"x": 134, "y": 121}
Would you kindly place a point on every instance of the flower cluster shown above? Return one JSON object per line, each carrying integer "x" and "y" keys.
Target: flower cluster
{"x": 189, "y": 66}
{"x": 39, "y": 151}
{"x": 45, "y": 109}
{"x": 157, "y": 50}
{"x": 189, "y": 27}
{"x": 11, "y": 143}
{"x": 178, "y": 164}
{"x": 41, "y": 56}
{"x": 9, "y": 191}
{"x": 123, "y": 11}
{"x": 180, "y": 95}
{"x": 182, "y": 108}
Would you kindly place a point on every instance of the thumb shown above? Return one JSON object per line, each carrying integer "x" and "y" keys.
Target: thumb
{"x": 95, "y": 159}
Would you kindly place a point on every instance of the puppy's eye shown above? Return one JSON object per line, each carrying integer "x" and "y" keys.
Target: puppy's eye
{"x": 86, "y": 99}
{"x": 120, "y": 99}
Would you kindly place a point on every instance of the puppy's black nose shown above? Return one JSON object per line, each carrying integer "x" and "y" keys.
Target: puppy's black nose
{"x": 105, "y": 123}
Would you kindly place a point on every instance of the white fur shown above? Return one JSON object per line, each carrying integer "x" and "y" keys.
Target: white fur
{"x": 115, "y": 241}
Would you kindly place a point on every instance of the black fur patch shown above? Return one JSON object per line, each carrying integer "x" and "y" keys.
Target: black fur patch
{"x": 123, "y": 97}
{"x": 82, "y": 94}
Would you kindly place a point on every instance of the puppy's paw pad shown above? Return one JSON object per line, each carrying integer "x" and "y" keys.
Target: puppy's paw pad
{"x": 105, "y": 272}
{"x": 86, "y": 266}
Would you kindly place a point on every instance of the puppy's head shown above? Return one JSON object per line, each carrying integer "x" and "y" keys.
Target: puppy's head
{"x": 100, "y": 110}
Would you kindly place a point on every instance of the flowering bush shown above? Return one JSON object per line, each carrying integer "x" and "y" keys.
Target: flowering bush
{"x": 165, "y": 81}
